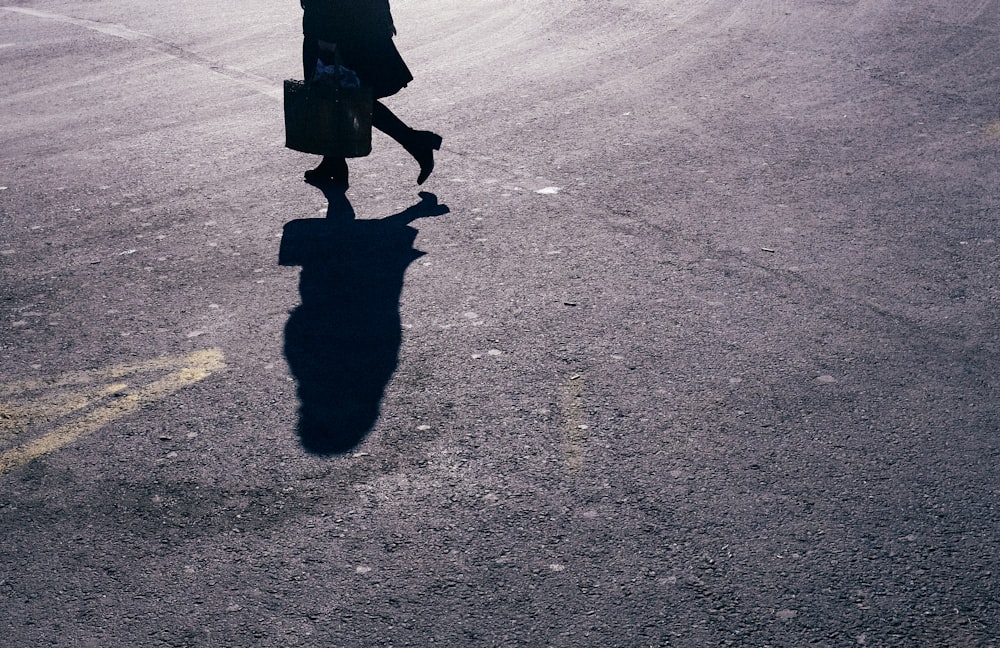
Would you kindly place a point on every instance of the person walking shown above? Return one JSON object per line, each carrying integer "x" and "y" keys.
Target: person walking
{"x": 361, "y": 32}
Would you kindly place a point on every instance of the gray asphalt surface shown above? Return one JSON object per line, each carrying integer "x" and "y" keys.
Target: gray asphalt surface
{"x": 691, "y": 341}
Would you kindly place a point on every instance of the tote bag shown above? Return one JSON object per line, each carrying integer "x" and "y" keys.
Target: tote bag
{"x": 326, "y": 119}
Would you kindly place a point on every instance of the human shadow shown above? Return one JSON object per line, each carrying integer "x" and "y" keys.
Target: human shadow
{"x": 342, "y": 342}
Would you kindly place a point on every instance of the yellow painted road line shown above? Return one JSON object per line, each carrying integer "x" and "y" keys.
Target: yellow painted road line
{"x": 576, "y": 430}
{"x": 111, "y": 373}
{"x": 19, "y": 417}
{"x": 189, "y": 369}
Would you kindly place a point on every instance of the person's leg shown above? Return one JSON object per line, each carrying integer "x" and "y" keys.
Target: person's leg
{"x": 310, "y": 54}
{"x": 331, "y": 168}
{"x": 420, "y": 144}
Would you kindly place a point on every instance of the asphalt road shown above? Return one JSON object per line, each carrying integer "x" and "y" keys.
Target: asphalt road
{"x": 692, "y": 339}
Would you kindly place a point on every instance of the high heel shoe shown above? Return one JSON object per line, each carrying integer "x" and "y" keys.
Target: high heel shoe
{"x": 333, "y": 170}
{"x": 422, "y": 148}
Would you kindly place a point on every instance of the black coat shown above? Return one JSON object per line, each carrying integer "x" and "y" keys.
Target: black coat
{"x": 363, "y": 31}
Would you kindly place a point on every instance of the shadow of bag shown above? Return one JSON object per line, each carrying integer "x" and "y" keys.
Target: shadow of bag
{"x": 329, "y": 120}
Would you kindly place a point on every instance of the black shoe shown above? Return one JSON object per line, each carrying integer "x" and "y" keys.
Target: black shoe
{"x": 330, "y": 170}
{"x": 422, "y": 148}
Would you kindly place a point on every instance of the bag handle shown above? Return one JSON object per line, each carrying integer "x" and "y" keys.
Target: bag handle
{"x": 327, "y": 46}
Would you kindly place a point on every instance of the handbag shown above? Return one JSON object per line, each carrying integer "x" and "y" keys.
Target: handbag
{"x": 328, "y": 119}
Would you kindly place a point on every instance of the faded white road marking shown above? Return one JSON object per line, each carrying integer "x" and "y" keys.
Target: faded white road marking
{"x": 256, "y": 83}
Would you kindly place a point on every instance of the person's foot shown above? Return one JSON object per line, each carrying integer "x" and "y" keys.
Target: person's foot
{"x": 422, "y": 149}
{"x": 333, "y": 170}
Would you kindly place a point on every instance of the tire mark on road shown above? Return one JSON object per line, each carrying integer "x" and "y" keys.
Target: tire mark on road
{"x": 258, "y": 84}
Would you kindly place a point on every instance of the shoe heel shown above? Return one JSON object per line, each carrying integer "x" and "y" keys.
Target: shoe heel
{"x": 435, "y": 141}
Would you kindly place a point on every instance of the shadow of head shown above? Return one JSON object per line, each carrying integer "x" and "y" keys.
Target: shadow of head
{"x": 342, "y": 342}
